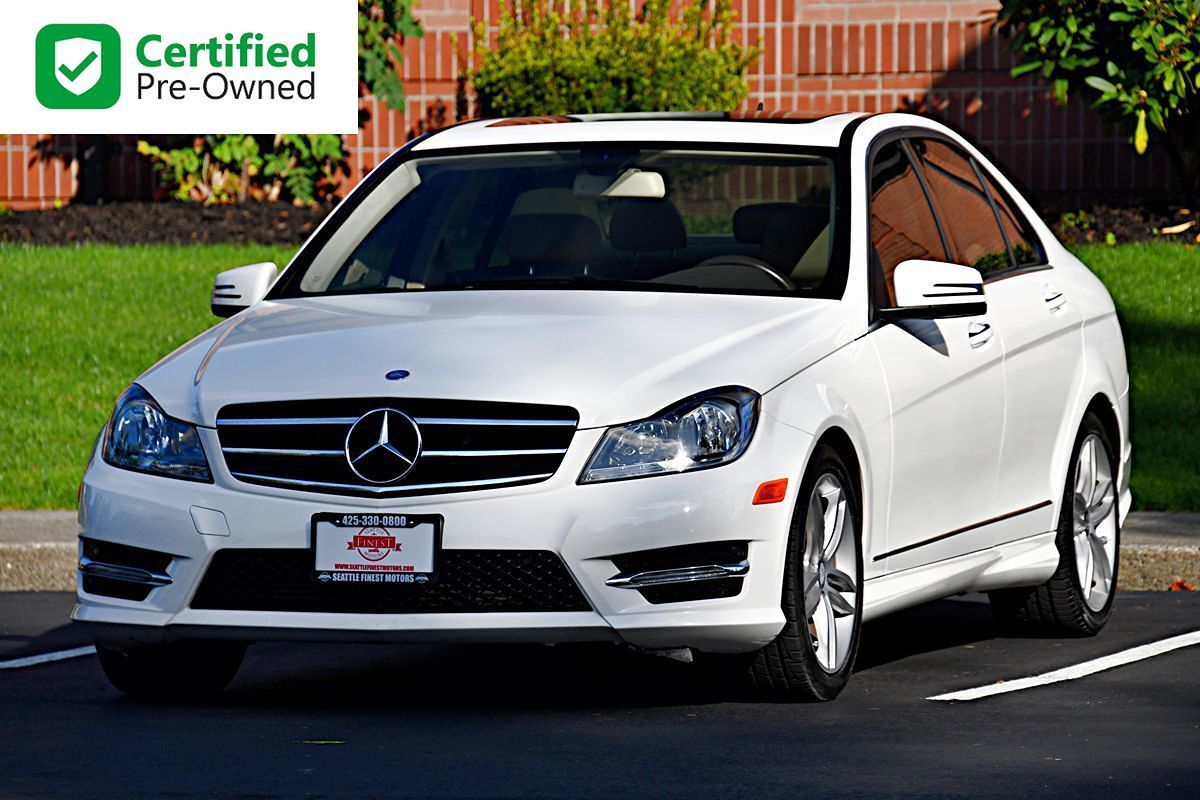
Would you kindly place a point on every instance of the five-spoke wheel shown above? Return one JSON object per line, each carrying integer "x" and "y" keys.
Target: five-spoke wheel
{"x": 1078, "y": 597}
{"x": 830, "y": 572}
{"x": 812, "y": 657}
{"x": 1095, "y": 522}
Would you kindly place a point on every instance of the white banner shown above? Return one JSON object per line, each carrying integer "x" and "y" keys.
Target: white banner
{"x": 165, "y": 66}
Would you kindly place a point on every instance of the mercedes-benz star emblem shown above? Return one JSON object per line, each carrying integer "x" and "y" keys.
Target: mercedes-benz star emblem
{"x": 383, "y": 445}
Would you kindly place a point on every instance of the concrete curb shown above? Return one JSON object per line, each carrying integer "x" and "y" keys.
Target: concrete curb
{"x": 38, "y": 550}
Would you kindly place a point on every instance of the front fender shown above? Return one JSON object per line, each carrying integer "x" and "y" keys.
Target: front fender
{"x": 860, "y": 409}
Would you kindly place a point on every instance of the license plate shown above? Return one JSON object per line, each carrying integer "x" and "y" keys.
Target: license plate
{"x": 375, "y": 548}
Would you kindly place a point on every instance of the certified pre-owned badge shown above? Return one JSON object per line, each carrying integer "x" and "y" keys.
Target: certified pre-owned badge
{"x": 383, "y": 445}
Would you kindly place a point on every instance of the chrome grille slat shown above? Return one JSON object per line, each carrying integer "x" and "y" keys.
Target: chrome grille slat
{"x": 467, "y": 445}
{"x": 490, "y": 453}
{"x": 406, "y": 487}
{"x": 270, "y": 451}
{"x": 500, "y": 422}
{"x": 289, "y": 421}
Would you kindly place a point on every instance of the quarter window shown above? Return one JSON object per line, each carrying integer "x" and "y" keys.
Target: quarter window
{"x": 963, "y": 206}
{"x": 1025, "y": 248}
{"x": 902, "y": 222}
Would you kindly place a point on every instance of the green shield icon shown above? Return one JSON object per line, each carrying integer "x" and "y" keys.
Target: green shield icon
{"x": 78, "y": 66}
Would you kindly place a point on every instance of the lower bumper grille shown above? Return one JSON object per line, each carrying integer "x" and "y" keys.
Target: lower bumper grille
{"x": 118, "y": 570}
{"x": 469, "y": 581}
{"x": 706, "y": 571}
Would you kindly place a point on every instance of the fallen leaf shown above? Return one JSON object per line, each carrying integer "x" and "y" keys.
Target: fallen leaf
{"x": 1180, "y": 228}
{"x": 1180, "y": 586}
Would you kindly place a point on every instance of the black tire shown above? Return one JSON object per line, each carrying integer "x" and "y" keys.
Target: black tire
{"x": 787, "y": 669}
{"x": 1057, "y": 607}
{"x": 177, "y": 670}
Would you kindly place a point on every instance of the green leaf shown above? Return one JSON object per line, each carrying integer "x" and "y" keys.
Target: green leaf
{"x": 1026, "y": 68}
{"x": 1141, "y": 137}
{"x": 1100, "y": 84}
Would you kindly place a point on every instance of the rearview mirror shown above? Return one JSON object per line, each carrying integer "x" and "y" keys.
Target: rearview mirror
{"x": 936, "y": 290}
{"x": 237, "y": 289}
{"x": 632, "y": 183}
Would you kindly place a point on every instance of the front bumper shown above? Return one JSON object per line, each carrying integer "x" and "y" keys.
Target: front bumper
{"x": 584, "y": 525}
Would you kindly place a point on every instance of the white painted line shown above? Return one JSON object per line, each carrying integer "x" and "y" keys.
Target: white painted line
{"x": 46, "y": 658}
{"x": 1077, "y": 671}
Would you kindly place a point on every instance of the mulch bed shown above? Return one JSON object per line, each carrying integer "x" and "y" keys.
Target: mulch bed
{"x": 1126, "y": 224}
{"x": 163, "y": 223}
{"x": 279, "y": 223}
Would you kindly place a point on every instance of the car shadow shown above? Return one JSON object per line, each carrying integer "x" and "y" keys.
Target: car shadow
{"x": 374, "y": 677}
{"x": 939, "y": 625}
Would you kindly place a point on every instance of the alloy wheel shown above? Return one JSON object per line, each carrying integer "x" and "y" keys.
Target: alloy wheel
{"x": 1095, "y": 522}
{"x": 830, "y": 572}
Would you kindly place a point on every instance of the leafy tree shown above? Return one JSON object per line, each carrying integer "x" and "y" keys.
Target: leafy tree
{"x": 381, "y": 25}
{"x": 1136, "y": 61}
{"x": 553, "y": 58}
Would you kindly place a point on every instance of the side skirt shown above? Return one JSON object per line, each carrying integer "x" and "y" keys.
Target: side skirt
{"x": 1025, "y": 562}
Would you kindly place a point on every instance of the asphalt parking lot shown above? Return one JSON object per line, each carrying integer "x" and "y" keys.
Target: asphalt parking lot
{"x": 487, "y": 722}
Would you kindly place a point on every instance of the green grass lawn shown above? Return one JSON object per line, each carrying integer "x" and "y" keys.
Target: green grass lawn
{"x": 1156, "y": 287}
{"x": 80, "y": 323}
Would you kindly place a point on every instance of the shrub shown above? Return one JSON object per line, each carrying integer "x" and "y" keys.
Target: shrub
{"x": 1136, "y": 61}
{"x": 228, "y": 168}
{"x": 593, "y": 59}
{"x": 302, "y": 168}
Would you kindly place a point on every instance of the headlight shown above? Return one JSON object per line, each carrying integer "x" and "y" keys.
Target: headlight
{"x": 703, "y": 431}
{"x": 141, "y": 437}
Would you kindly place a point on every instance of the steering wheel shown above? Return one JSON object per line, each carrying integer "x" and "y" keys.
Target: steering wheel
{"x": 751, "y": 262}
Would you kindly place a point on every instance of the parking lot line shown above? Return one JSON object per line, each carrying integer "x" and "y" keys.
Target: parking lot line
{"x": 45, "y": 658}
{"x": 1129, "y": 656}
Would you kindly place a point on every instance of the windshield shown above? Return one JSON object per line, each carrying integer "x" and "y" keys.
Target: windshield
{"x": 592, "y": 217}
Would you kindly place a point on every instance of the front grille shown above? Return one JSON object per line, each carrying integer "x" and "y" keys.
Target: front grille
{"x": 468, "y": 581}
{"x": 466, "y": 445}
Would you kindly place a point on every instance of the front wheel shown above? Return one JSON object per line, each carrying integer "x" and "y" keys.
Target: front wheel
{"x": 812, "y": 657}
{"x": 1078, "y": 597}
{"x": 173, "y": 670}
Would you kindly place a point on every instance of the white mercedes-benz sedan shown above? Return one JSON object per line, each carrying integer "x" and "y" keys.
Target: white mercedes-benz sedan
{"x": 691, "y": 383}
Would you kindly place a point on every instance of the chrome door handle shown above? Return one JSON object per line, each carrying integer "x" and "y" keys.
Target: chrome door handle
{"x": 1055, "y": 299}
{"x": 979, "y": 334}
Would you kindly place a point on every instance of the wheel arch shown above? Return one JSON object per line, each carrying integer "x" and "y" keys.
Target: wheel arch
{"x": 836, "y": 437}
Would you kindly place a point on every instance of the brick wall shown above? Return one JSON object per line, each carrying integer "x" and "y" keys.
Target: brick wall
{"x": 937, "y": 58}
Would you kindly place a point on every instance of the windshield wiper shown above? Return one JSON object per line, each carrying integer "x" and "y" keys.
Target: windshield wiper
{"x": 578, "y": 281}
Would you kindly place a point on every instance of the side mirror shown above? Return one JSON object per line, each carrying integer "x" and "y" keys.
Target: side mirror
{"x": 936, "y": 290}
{"x": 237, "y": 289}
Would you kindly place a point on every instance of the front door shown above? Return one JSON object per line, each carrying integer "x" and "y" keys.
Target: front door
{"x": 945, "y": 382}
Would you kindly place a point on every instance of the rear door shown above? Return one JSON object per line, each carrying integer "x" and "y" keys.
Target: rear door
{"x": 1039, "y": 324}
{"x": 946, "y": 387}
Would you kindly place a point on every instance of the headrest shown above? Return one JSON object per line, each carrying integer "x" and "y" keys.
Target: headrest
{"x": 553, "y": 239}
{"x": 789, "y": 234}
{"x": 640, "y": 225}
{"x": 750, "y": 222}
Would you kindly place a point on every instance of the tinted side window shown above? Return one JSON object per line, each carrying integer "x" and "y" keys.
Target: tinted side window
{"x": 963, "y": 206}
{"x": 902, "y": 222}
{"x": 1026, "y": 249}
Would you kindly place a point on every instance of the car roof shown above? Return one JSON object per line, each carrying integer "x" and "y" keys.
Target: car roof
{"x": 690, "y": 127}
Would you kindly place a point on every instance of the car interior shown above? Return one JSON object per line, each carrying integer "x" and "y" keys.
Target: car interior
{"x": 723, "y": 224}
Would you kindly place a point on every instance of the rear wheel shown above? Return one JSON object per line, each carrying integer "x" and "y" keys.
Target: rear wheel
{"x": 174, "y": 670}
{"x": 1078, "y": 597}
{"x": 812, "y": 657}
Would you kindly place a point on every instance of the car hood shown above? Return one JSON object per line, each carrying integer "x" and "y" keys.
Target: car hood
{"x": 613, "y": 356}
